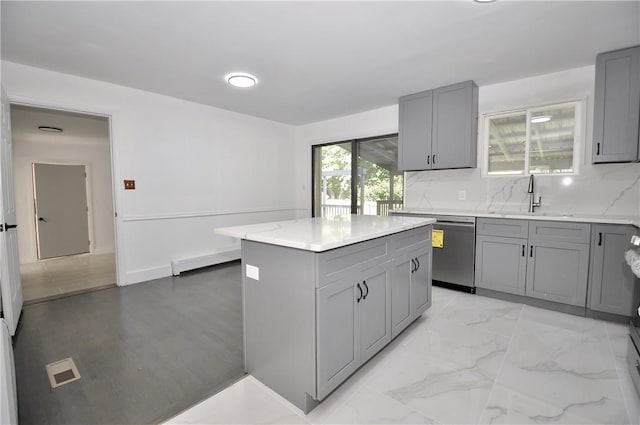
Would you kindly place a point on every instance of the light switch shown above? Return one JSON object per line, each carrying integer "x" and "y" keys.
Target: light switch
{"x": 129, "y": 184}
{"x": 252, "y": 272}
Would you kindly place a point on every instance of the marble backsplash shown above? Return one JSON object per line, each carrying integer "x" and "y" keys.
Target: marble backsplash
{"x": 603, "y": 189}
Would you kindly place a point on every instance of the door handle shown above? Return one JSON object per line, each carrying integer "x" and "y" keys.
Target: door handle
{"x": 42, "y": 219}
{"x": 360, "y": 290}
{"x": 10, "y": 226}
{"x": 364, "y": 282}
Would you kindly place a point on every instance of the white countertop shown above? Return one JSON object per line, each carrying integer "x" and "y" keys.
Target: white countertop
{"x": 582, "y": 218}
{"x": 321, "y": 234}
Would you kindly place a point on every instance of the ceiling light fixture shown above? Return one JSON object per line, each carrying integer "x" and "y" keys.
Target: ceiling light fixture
{"x": 484, "y": 1}
{"x": 49, "y": 129}
{"x": 241, "y": 79}
{"x": 541, "y": 118}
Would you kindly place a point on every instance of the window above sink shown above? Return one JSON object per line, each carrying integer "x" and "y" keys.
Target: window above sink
{"x": 536, "y": 140}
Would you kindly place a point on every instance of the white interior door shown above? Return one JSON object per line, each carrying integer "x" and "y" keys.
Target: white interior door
{"x": 61, "y": 209}
{"x": 8, "y": 393}
{"x": 9, "y": 262}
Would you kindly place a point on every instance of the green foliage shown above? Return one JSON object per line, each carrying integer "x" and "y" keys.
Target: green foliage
{"x": 376, "y": 179}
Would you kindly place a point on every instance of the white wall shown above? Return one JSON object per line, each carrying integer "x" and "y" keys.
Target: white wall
{"x": 196, "y": 167}
{"x": 604, "y": 189}
{"x": 95, "y": 156}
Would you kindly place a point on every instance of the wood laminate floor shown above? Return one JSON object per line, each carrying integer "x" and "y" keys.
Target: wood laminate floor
{"x": 64, "y": 276}
{"x": 144, "y": 352}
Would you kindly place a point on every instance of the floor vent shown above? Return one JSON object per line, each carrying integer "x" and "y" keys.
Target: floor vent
{"x": 62, "y": 372}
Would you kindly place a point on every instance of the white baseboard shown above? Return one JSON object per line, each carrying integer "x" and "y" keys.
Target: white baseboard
{"x": 143, "y": 275}
{"x": 183, "y": 264}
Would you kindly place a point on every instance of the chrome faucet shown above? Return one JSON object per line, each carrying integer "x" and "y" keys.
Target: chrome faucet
{"x": 532, "y": 203}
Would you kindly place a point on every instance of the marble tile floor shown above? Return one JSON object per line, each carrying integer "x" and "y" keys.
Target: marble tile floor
{"x": 57, "y": 277}
{"x": 468, "y": 360}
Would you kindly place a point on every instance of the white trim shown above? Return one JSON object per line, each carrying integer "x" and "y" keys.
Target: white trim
{"x": 112, "y": 116}
{"x": 196, "y": 214}
{"x": 143, "y": 275}
{"x": 183, "y": 264}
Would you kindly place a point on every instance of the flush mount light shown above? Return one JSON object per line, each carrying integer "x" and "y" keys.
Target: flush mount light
{"x": 541, "y": 118}
{"x": 240, "y": 79}
{"x": 49, "y": 129}
{"x": 484, "y": 1}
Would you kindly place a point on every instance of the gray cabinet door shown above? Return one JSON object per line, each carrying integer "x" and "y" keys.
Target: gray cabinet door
{"x": 613, "y": 287}
{"x": 401, "y": 314}
{"x": 414, "y": 133}
{"x": 558, "y": 271}
{"x": 617, "y": 106}
{"x": 374, "y": 309}
{"x": 421, "y": 281}
{"x": 455, "y": 118}
{"x": 337, "y": 333}
{"x": 501, "y": 264}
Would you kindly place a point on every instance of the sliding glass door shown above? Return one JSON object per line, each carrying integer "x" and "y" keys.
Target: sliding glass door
{"x": 357, "y": 177}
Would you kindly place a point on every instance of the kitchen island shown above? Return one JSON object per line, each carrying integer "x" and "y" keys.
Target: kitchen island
{"x": 322, "y": 296}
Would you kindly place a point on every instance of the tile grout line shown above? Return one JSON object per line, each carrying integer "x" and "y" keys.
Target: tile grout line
{"x": 615, "y": 367}
{"x": 504, "y": 359}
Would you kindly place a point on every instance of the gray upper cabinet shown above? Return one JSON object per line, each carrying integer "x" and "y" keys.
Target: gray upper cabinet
{"x": 438, "y": 128}
{"x": 613, "y": 287}
{"x": 617, "y": 106}
{"x": 414, "y": 138}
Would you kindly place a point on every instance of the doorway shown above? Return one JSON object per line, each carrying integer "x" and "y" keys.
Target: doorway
{"x": 64, "y": 202}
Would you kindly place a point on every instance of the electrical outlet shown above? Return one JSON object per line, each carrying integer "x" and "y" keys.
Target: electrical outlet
{"x": 129, "y": 184}
{"x": 462, "y": 195}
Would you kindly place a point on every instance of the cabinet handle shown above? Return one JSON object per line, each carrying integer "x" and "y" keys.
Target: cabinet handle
{"x": 359, "y": 290}
{"x": 418, "y": 264}
{"x": 523, "y": 254}
{"x": 413, "y": 266}
{"x": 599, "y": 238}
{"x": 364, "y": 282}
{"x": 597, "y": 148}
{"x": 531, "y": 252}
{"x": 433, "y": 160}
{"x": 428, "y": 159}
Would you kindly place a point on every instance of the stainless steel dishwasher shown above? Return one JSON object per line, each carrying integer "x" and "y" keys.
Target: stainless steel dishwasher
{"x": 454, "y": 262}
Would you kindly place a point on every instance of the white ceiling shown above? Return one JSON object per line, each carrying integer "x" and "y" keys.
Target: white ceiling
{"x": 314, "y": 60}
{"x": 76, "y": 128}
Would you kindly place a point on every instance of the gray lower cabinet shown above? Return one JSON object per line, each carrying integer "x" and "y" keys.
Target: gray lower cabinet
{"x": 411, "y": 291}
{"x": 552, "y": 263}
{"x": 613, "y": 287}
{"x": 558, "y": 271}
{"x": 617, "y": 106}
{"x": 501, "y": 264}
{"x": 313, "y": 318}
{"x": 353, "y": 323}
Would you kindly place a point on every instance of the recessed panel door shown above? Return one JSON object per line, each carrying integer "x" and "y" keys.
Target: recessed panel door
{"x": 9, "y": 261}
{"x": 61, "y": 209}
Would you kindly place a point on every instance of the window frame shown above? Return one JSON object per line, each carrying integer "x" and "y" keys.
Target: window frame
{"x": 578, "y": 140}
{"x": 354, "y": 167}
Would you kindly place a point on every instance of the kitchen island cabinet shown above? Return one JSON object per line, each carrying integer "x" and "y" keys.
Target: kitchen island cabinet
{"x": 319, "y": 296}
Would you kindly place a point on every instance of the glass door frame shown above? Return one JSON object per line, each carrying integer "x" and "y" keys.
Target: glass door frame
{"x": 354, "y": 168}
